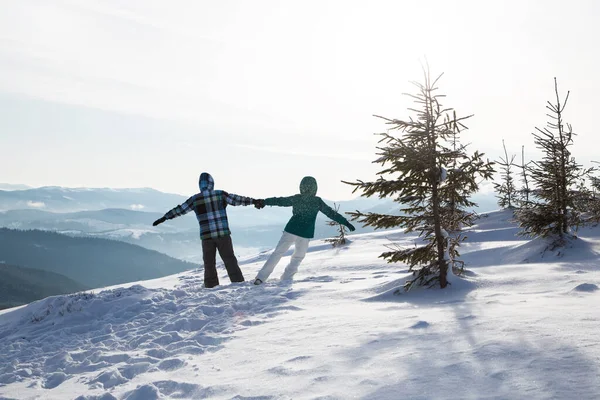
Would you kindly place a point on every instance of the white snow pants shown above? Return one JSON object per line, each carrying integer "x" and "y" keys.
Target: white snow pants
{"x": 286, "y": 241}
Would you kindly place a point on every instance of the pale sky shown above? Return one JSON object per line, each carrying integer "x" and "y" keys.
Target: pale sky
{"x": 150, "y": 93}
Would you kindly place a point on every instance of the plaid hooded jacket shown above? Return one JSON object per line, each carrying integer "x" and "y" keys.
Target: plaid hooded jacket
{"x": 209, "y": 206}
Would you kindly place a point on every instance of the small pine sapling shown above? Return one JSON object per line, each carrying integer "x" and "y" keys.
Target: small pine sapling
{"x": 554, "y": 210}
{"x": 340, "y": 239}
{"x": 524, "y": 192}
{"x": 506, "y": 189}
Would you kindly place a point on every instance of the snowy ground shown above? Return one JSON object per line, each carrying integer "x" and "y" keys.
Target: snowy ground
{"x": 520, "y": 325}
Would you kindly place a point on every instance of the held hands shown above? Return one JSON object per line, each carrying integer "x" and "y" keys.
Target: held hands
{"x": 351, "y": 227}
{"x": 258, "y": 203}
{"x": 159, "y": 221}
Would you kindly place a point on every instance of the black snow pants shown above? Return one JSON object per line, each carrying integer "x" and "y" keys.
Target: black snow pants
{"x": 209, "y": 254}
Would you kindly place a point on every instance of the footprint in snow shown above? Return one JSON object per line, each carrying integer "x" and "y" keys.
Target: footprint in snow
{"x": 55, "y": 379}
{"x": 182, "y": 390}
{"x": 132, "y": 370}
{"x": 299, "y": 358}
{"x": 109, "y": 379}
{"x": 171, "y": 364}
{"x": 323, "y": 278}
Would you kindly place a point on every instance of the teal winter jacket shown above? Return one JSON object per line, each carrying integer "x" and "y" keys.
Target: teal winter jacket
{"x": 305, "y": 207}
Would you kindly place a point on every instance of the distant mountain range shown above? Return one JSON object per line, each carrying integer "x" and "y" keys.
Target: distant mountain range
{"x": 59, "y": 199}
{"x": 93, "y": 262}
{"x": 19, "y": 285}
{"x": 69, "y": 200}
{"x": 127, "y": 215}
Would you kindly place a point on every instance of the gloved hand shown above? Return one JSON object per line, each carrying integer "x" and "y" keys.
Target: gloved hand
{"x": 159, "y": 221}
{"x": 351, "y": 227}
{"x": 258, "y": 203}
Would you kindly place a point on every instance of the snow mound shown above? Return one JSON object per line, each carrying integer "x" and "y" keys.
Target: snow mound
{"x": 458, "y": 288}
{"x": 145, "y": 392}
{"x": 544, "y": 250}
{"x": 510, "y": 249}
{"x": 420, "y": 325}
{"x": 497, "y": 220}
{"x": 56, "y": 307}
{"x": 105, "y": 396}
{"x": 586, "y": 287}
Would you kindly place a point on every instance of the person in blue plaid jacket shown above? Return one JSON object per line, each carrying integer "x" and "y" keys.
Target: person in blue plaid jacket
{"x": 210, "y": 208}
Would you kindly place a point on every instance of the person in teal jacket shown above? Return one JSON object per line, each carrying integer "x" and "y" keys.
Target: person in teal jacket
{"x": 300, "y": 228}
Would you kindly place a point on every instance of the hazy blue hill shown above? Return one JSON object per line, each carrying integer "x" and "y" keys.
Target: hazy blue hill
{"x": 11, "y": 186}
{"x": 59, "y": 199}
{"x": 19, "y": 285}
{"x": 92, "y": 261}
{"x": 87, "y": 221}
{"x": 113, "y": 215}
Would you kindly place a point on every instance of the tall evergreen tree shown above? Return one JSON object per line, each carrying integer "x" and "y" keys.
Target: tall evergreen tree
{"x": 506, "y": 187}
{"x": 430, "y": 175}
{"x": 553, "y": 211}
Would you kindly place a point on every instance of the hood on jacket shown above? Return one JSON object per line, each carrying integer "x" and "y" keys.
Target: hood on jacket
{"x": 206, "y": 182}
{"x": 308, "y": 186}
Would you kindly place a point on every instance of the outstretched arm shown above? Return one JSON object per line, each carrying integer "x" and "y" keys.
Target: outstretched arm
{"x": 237, "y": 200}
{"x": 332, "y": 214}
{"x": 280, "y": 201}
{"x": 178, "y": 211}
